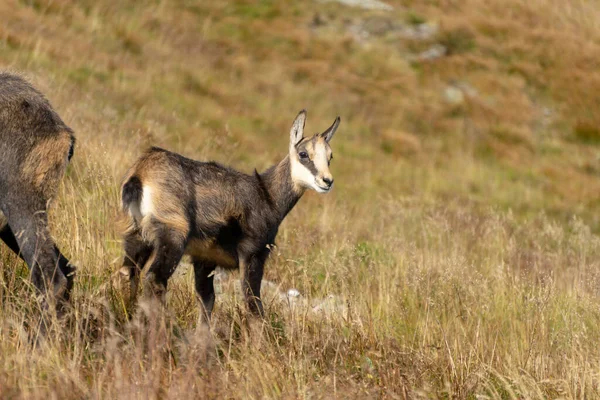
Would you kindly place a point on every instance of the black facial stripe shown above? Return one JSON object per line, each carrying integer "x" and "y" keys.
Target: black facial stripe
{"x": 308, "y": 163}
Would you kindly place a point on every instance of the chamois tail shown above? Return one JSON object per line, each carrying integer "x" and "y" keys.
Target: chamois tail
{"x": 131, "y": 196}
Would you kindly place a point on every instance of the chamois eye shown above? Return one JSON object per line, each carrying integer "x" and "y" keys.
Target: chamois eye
{"x": 303, "y": 154}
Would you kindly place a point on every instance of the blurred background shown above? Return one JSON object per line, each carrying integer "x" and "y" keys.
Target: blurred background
{"x": 479, "y": 101}
{"x": 460, "y": 237}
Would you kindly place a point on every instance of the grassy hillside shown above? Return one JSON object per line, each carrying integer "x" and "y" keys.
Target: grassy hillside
{"x": 458, "y": 255}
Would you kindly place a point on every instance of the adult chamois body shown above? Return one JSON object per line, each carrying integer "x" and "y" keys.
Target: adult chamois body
{"x": 35, "y": 149}
{"x": 217, "y": 215}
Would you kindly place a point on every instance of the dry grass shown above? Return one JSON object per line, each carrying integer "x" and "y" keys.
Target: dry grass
{"x": 459, "y": 244}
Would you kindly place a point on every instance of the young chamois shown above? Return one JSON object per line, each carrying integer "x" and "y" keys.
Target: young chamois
{"x": 217, "y": 215}
{"x": 35, "y": 149}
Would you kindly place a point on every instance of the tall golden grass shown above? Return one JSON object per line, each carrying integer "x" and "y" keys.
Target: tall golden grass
{"x": 458, "y": 249}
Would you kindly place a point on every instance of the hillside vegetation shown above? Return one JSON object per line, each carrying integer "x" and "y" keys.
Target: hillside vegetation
{"x": 457, "y": 255}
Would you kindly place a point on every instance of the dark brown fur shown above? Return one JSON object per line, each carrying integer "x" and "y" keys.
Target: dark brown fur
{"x": 36, "y": 146}
{"x": 217, "y": 215}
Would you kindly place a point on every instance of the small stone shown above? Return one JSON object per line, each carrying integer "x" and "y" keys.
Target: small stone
{"x": 454, "y": 95}
{"x": 378, "y": 26}
{"x": 424, "y": 31}
{"x": 366, "y": 4}
{"x": 433, "y": 53}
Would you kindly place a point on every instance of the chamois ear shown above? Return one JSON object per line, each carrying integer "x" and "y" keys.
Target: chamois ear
{"x": 297, "y": 131}
{"x": 328, "y": 134}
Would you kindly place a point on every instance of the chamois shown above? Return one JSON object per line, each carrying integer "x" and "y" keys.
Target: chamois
{"x": 35, "y": 149}
{"x": 219, "y": 216}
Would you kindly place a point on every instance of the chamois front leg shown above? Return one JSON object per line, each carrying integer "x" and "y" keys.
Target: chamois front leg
{"x": 252, "y": 273}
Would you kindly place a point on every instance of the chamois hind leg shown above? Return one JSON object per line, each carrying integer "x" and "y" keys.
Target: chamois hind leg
{"x": 9, "y": 239}
{"x": 169, "y": 246}
{"x": 137, "y": 254}
{"x": 68, "y": 270}
{"x": 205, "y": 289}
{"x": 37, "y": 248}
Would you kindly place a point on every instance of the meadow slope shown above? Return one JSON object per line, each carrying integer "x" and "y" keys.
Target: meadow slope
{"x": 459, "y": 247}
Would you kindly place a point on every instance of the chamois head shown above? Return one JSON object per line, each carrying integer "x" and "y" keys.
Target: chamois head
{"x": 310, "y": 157}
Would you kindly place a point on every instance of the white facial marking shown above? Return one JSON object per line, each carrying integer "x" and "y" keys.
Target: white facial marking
{"x": 302, "y": 176}
{"x": 322, "y": 165}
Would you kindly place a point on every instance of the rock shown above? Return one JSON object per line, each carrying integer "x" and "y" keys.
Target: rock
{"x": 358, "y": 33}
{"x": 332, "y": 305}
{"x": 365, "y": 4}
{"x": 433, "y": 53}
{"x": 373, "y": 26}
{"x": 382, "y": 26}
{"x": 424, "y": 31}
{"x": 454, "y": 95}
{"x": 271, "y": 292}
{"x": 457, "y": 92}
{"x": 378, "y": 26}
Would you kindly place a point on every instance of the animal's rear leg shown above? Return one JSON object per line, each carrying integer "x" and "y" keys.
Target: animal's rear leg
{"x": 169, "y": 246}
{"x": 9, "y": 239}
{"x": 38, "y": 250}
{"x": 137, "y": 253}
{"x": 205, "y": 289}
{"x": 68, "y": 270}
